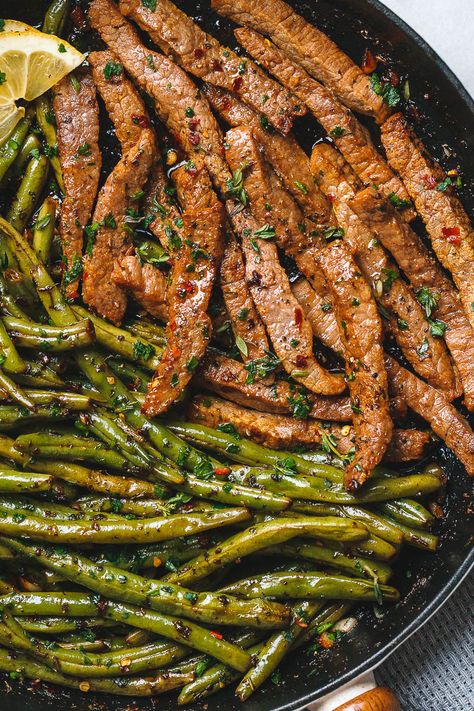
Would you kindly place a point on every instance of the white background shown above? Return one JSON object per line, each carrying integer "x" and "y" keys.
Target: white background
{"x": 448, "y": 26}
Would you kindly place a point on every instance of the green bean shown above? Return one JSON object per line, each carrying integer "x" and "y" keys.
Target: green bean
{"x": 28, "y": 193}
{"x": 55, "y": 17}
{"x": 408, "y": 512}
{"x": 43, "y": 231}
{"x": 60, "y": 625}
{"x": 319, "y": 586}
{"x": 14, "y": 482}
{"x": 9, "y": 388}
{"x": 8, "y": 303}
{"x": 320, "y": 553}
{"x": 136, "y": 531}
{"x": 31, "y": 669}
{"x": 98, "y": 481}
{"x": 50, "y": 510}
{"x": 234, "y": 494}
{"x": 147, "y": 508}
{"x": 12, "y": 361}
{"x": 11, "y": 147}
{"x": 137, "y": 377}
{"x": 170, "y": 599}
{"x": 67, "y": 400}
{"x": 418, "y": 538}
{"x": 39, "y": 375}
{"x": 167, "y": 554}
{"x": 122, "y": 342}
{"x": 150, "y": 331}
{"x": 375, "y": 547}
{"x": 32, "y": 143}
{"x": 49, "y": 338}
{"x": 263, "y": 535}
{"x": 43, "y": 114}
{"x": 13, "y": 415}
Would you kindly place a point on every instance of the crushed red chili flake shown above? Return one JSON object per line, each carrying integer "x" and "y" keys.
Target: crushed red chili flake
{"x": 217, "y": 635}
{"x": 222, "y": 471}
{"x": 175, "y": 352}
{"x": 189, "y": 287}
{"x": 225, "y": 103}
{"x": 301, "y": 361}
{"x": 331, "y": 198}
{"x": 140, "y": 120}
{"x": 429, "y": 181}
{"x": 369, "y": 62}
{"x": 194, "y": 138}
{"x": 194, "y": 123}
{"x": 452, "y": 234}
{"x": 191, "y": 170}
{"x": 237, "y": 83}
{"x": 199, "y": 53}
{"x": 217, "y": 65}
{"x": 298, "y": 317}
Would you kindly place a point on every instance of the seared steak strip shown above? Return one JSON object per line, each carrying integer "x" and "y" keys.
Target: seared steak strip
{"x": 352, "y": 139}
{"x": 434, "y": 407}
{"x": 244, "y": 317}
{"x": 309, "y": 47}
{"x": 161, "y": 206}
{"x": 288, "y": 329}
{"x": 77, "y": 121}
{"x": 236, "y": 382}
{"x": 407, "y": 446}
{"x": 446, "y": 221}
{"x": 204, "y": 57}
{"x": 426, "y": 353}
{"x": 424, "y": 273}
{"x": 361, "y": 335}
{"x": 173, "y": 92}
{"x": 284, "y": 153}
{"x": 112, "y": 239}
{"x": 196, "y": 260}
{"x": 145, "y": 282}
{"x": 316, "y": 309}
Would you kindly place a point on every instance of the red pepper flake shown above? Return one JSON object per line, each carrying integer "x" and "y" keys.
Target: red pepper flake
{"x": 194, "y": 138}
{"x": 194, "y": 123}
{"x": 217, "y": 65}
{"x": 298, "y": 317}
{"x": 226, "y": 103}
{"x": 140, "y": 120}
{"x": 217, "y": 635}
{"x": 175, "y": 351}
{"x": 191, "y": 170}
{"x": 429, "y": 181}
{"x": 237, "y": 83}
{"x": 189, "y": 287}
{"x": 301, "y": 361}
{"x": 199, "y": 53}
{"x": 172, "y": 325}
{"x": 331, "y": 198}
{"x": 369, "y": 63}
{"x": 452, "y": 234}
{"x": 301, "y": 624}
{"x": 222, "y": 471}
{"x": 325, "y": 641}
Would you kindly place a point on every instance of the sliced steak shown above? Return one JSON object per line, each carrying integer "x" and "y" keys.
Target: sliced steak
{"x": 352, "y": 139}
{"x": 310, "y": 48}
{"x": 112, "y": 241}
{"x": 161, "y": 206}
{"x": 244, "y": 317}
{"x": 361, "y": 335}
{"x": 426, "y": 353}
{"x": 446, "y": 221}
{"x": 204, "y": 57}
{"x": 406, "y": 446}
{"x": 288, "y": 329}
{"x": 196, "y": 261}
{"x": 316, "y": 308}
{"x": 145, "y": 282}
{"x": 234, "y": 381}
{"x": 284, "y": 153}
{"x": 424, "y": 272}
{"x": 434, "y": 407}
{"x": 178, "y": 102}
{"x": 77, "y": 122}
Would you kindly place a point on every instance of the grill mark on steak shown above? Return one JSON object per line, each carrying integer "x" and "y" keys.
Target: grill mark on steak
{"x": 423, "y": 271}
{"x": 228, "y": 378}
{"x": 172, "y": 91}
{"x": 284, "y": 153}
{"x": 361, "y": 335}
{"x": 129, "y": 176}
{"x": 288, "y": 329}
{"x": 309, "y": 47}
{"x": 203, "y": 56}
{"x": 145, "y": 282}
{"x": 77, "y": 122}
{"x": 446, "y": 221}
{"x": 428, "y": 355}
{"x": 352, "y": 139}
{"x": 194, "y": 269}
{"x": 434, "y": 407}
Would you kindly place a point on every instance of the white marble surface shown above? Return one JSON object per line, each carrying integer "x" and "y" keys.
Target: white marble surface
{"x": 448, "y": 26}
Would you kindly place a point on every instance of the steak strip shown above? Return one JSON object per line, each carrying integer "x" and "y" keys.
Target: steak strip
{"x": 316, "y": 310}
{"x": 427, "y": 354}
{"x": 284, "y": 153}
{"x": 196, "y": 260}
{"x": 77, "y": 122}
{"x": 446, "y": 221}
{"x": 351, "y": 138}
{"x": 232, "y": 380}
{"x": 434, "y": 407}
{"x": 309, "y": 47}
{"x": 145, "y": 282}
{"x": 204, "y": 57}
{"x": 361, "y": 335}
{"x": 289, "y": 331}
{"x": 282, "y": 432}
{"x": 424, "y": 272}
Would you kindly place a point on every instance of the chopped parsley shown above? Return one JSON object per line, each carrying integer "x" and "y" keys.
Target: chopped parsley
{"x": 285, "y": 467}
{"x": 228, "y": 428}
{"x": 438, "y": 328}
{"x": 109, "y": 221}
{"x": 143, "y": 351}
{"x": 112, "y": 69}
{"x": 300, "y": 405}
{"x": 235, "y": 185}
{"x": 389, "y": 93}
{"x": 43, "y": 223}
{"x": 192, "y": 364}
{"x": 74, "y": 272}
{"x": 428, "y": 299}
{"x": 402, "y": 324}
{"x": 242, "y": 346}
{"x": 265, "y": 123}
{"x": 61, "y": 48}
{"x": 337, "y": 132}
{"x": 242, "y": 314}
{"x": 333, "y": 232}
{"x": 149, "y": 4}
{"x": 398, "y": 202}
{"x": 423, "y": 350}
{"x": 391, "y": 275}
{"x": 84, "y": 150}
{"x": 3, "y": 78}
{"x": 301, "y": 187}
{"x": 265, "y": 232}
{"x": 261, "y": 367}
{"x": 242, "y": 67}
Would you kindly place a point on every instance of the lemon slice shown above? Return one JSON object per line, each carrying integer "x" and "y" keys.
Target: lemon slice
{"x": 31, "y": 62}
{"x": 10, "y": 114}
{"x": 17, "y": 26}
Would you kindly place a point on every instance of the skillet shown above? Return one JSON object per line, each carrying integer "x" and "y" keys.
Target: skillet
{"x": 446, "y": 124}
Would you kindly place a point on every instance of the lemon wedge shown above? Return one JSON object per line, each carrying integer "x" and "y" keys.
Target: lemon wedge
{"x": 31, "y": 62}
{"x": 17, "y": 26}
{"x": 10, "y": 114}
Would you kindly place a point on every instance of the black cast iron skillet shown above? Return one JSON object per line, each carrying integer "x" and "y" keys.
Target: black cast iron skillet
{"x": 447, "y": 126}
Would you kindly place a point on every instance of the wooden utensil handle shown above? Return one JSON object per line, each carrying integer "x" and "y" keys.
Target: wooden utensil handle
{"x": 379, "y": 699}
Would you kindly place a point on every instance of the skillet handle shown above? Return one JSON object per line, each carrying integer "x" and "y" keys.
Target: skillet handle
{"x": 379, "y": 699}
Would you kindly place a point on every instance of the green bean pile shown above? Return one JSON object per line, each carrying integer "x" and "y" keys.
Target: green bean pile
{"x": 120, "y": 537}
